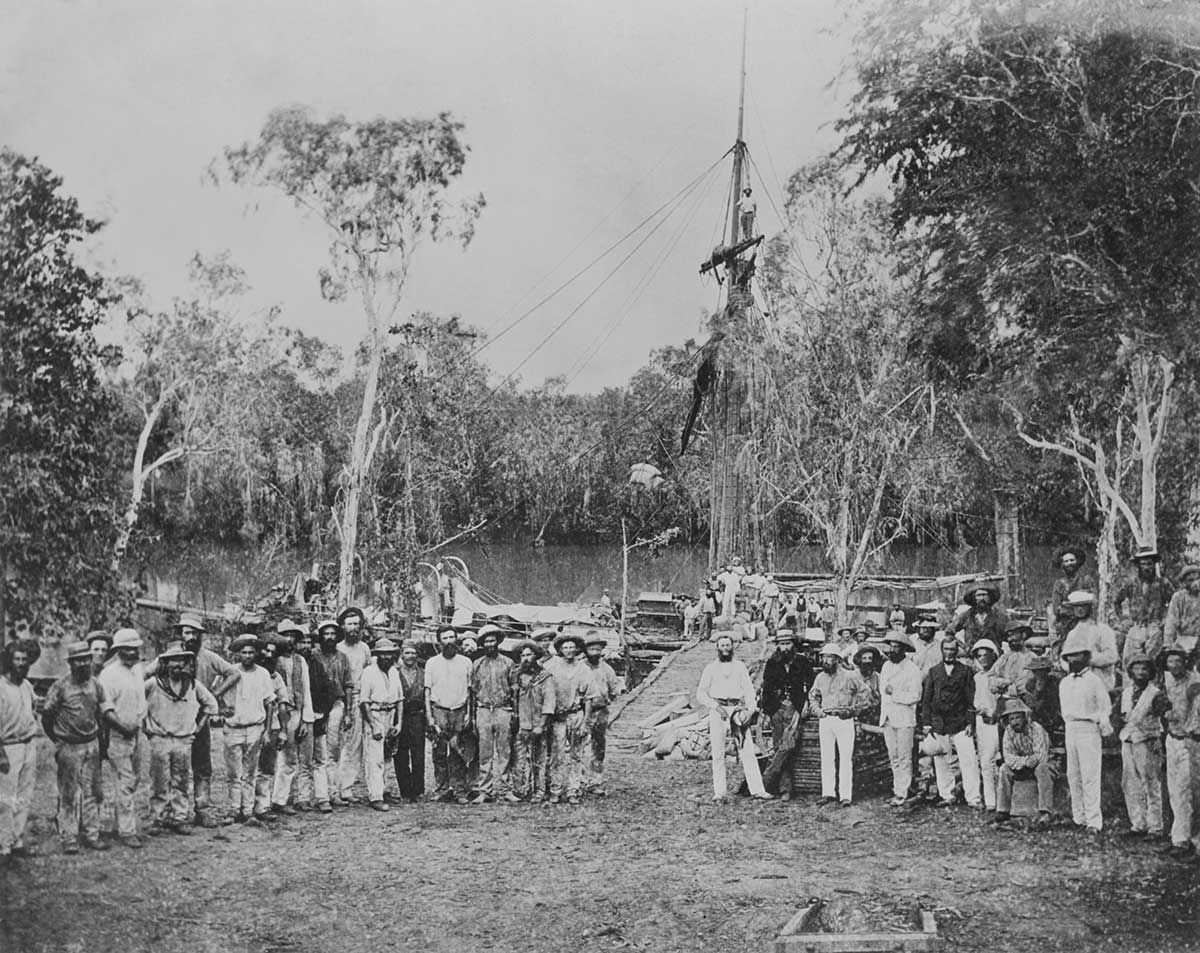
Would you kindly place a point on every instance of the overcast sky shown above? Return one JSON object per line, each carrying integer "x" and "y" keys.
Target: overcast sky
{"x": 578, "y": 114}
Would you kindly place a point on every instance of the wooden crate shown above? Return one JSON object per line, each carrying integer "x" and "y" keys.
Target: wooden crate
{"x": 872, "y": 768}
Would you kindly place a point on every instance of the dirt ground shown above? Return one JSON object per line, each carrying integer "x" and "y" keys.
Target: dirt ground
{"x": 655, "y": 866}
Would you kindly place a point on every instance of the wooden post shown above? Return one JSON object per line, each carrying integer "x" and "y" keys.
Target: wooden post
{"x": 624, "y": 582}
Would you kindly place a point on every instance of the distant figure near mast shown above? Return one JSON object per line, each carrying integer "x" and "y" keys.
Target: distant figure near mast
{"x": 747, "y": 209}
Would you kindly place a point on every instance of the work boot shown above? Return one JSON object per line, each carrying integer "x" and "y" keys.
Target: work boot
{"x": 1000, "y": 818}
{"x": 156, "y": 827}
{"x": 284, "y": 809}
{"x": 325, "y": 807}
{"x": 132, "y": 841}
{"x": 70, "y": 848}
{"x": 379, "y": 806}
{"x": 94, "y": 844}
{"x": 180, "y": 828}
{"x": 25, "y": 852}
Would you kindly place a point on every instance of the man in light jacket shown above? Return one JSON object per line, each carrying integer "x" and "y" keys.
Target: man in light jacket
{"x": 899, "y": 694}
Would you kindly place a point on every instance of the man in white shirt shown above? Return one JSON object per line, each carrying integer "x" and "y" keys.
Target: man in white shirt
{"x": 725, "y": 688}
{"x": 747, "y": 209}
{"x": 18, "y": 753}
{"x": 1101, "y": 639}
{"x": 125, "y": 686}
{"x": 447, "y": 691}
{"x": 359, "y": 655}
{"x": 899, "y": 694}
{"x": 1086, "y": 709}
{"x": 381, "y": 714}
{"x": 247, "y": 709}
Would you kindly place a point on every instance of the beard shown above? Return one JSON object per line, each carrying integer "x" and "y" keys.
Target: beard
{"x": 725, "y": 656}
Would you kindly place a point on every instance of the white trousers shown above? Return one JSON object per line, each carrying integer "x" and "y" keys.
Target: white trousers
{"x": 1181, "y": 784}
{"x": 1141, "y": 783}
{"x": 837, "y": 742}
{"x": 1083, "y": 772}
{"x": 987, "y": 743}
{"x": 899, "y": 743}
{"x": 287, "y": 761}
{"x": 968, "y": 764}
{"x": 16, "y": 793}
{"x": 373, "y": 766}
{"x": 350, "y": 758}
{"x": 717, "y": 733}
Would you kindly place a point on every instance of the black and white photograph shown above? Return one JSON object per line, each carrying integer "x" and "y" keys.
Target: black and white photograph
{"x": 646, "y": 476}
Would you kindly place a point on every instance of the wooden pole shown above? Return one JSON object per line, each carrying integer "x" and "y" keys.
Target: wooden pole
{"x": 624, "y": 581}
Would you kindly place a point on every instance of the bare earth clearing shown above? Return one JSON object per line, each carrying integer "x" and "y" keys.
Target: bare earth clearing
{"x": 655, "y": 866}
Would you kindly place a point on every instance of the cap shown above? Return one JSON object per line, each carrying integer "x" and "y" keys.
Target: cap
{"x": 490, "y": 630}
{"x": 829, "y": 648}
{"x": 985, "y": 644}
{"x": 175, "y": 650}
{"x": 1014, "y": 705}
{"x": 385, "y": 646}
{"x": 244, "y": 640}
{"x": 1075, "y": 643}
{"x": 1187, "y": 572}
{"x": 287, "y": 625}
{"x": 595, "y": 638}
{"x": 97, "y": 634}
{"x": 328, "y": 624}
{"x": 899, "y": 638}
{"x": 1138, "y": 658}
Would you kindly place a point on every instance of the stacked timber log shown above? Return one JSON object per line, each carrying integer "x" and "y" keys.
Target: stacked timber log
{"x": 675, "y": 731}
{"x": 872, "y": 769}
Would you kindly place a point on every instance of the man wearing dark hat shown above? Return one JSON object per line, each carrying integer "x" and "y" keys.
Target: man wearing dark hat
{"x": 1181, "y": 629}
{"x": 602, "y": 687}
{"x": 176, "y": 706}
{"x": 292, "y": 668}
{"x": 337, "y": 666}
{"x": 381, "y": 713}
{"x": 1139, "y": 607}
{"x": 1038, "y": 689}
{"x": 251, "y": 706}
{"x": 927, "y": 650}
{"x": 313, "y": 773}
{"x": 535, "y": 724}
{"x": 981, "y": 618}
{"x": 787, "y": 677}
{"x": 409, "y": 760}
{"x": 899, "y": 694}
{"x": 1182, "y": 687}
{"x": 358, "y": 656}
{"x": 570, "y": 736}
{"x": 71, "y": 715}
{"x": 1143, "y": 705}
{"x": 1071, "y": 561}
{"x": 492, "y": 705}
{"x": 867, "y": 661}
{"x": 1025, "y": 749}
{"x": 447, "y": 693}
{"x": 218, "y": 676}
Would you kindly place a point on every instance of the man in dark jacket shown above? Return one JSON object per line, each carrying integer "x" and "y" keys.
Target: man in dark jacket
{"x": 981, "y": 618}
{"x": 787, "y": 677}
{"x": 947, "y": 714}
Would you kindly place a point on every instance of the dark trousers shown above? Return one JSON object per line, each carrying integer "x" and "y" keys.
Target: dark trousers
{"x": 409, "y": 760}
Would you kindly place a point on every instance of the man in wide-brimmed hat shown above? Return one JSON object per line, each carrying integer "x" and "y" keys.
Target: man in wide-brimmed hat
{"x": 176, "y": 707}
{"x": 1071, "y": 560}
{"x": 987, "y": 718}
{"x": 381, "y": 713}
{"x": 72, "y": 715}
{"x": 1182, "y": 686}
{"x": 1181, "y": 628}
{"x": 981, "y": 617}
{"x": 409, "y": 760}
{"x": 1038, "y": 689}
{"x": 787, "y": 677}
{"x": 899, "y": 693}
{"x": 447, "y": 695}
{"x": 492, "y": 707}
{"x": 1143, "y": 705}
{"x": 1139, "y": 606}
{"x": 218, "y": 676}
{"x": 250, "y": 707}
{"x": 570, "y": 735}
{"x": 1086, "y": 711}
{"x": 336, "y": 665}
{"x": 535, "y": 701}
{"x": 1026, "y": 755}
{"x": 292, "y": 668}
{"x": 603, "y": 686}
{"x": 1099, "y": 637}
{"x": 836, "y": 698}
{"x": 726, "y": 689}
{"x": 125, "y": 686}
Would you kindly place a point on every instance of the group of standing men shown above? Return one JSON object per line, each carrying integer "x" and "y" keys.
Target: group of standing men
{"x": 981, "y": 698}
{"x": 304, "y": 714}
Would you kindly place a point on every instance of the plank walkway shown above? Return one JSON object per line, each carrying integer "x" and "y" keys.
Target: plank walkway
{"x": 678, "y": 673}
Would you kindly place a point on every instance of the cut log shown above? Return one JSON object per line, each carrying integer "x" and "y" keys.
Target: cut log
{"x": 678, "y": 703}
{"x": 691, "y": 718}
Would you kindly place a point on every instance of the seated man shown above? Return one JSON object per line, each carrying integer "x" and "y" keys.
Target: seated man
{"x": 1026, "y": 751}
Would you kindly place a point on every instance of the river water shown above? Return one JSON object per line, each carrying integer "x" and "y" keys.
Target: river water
{"x": 208, "y": 576}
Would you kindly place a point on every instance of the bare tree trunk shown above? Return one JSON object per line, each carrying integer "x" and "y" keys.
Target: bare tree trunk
{"x": 1008, "y": 544}
{"x": 140, "y": 473}
{"x": 1107, "y": 559}
{"x": 358, "y": 453}
{"x": 1192, "y": 547}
